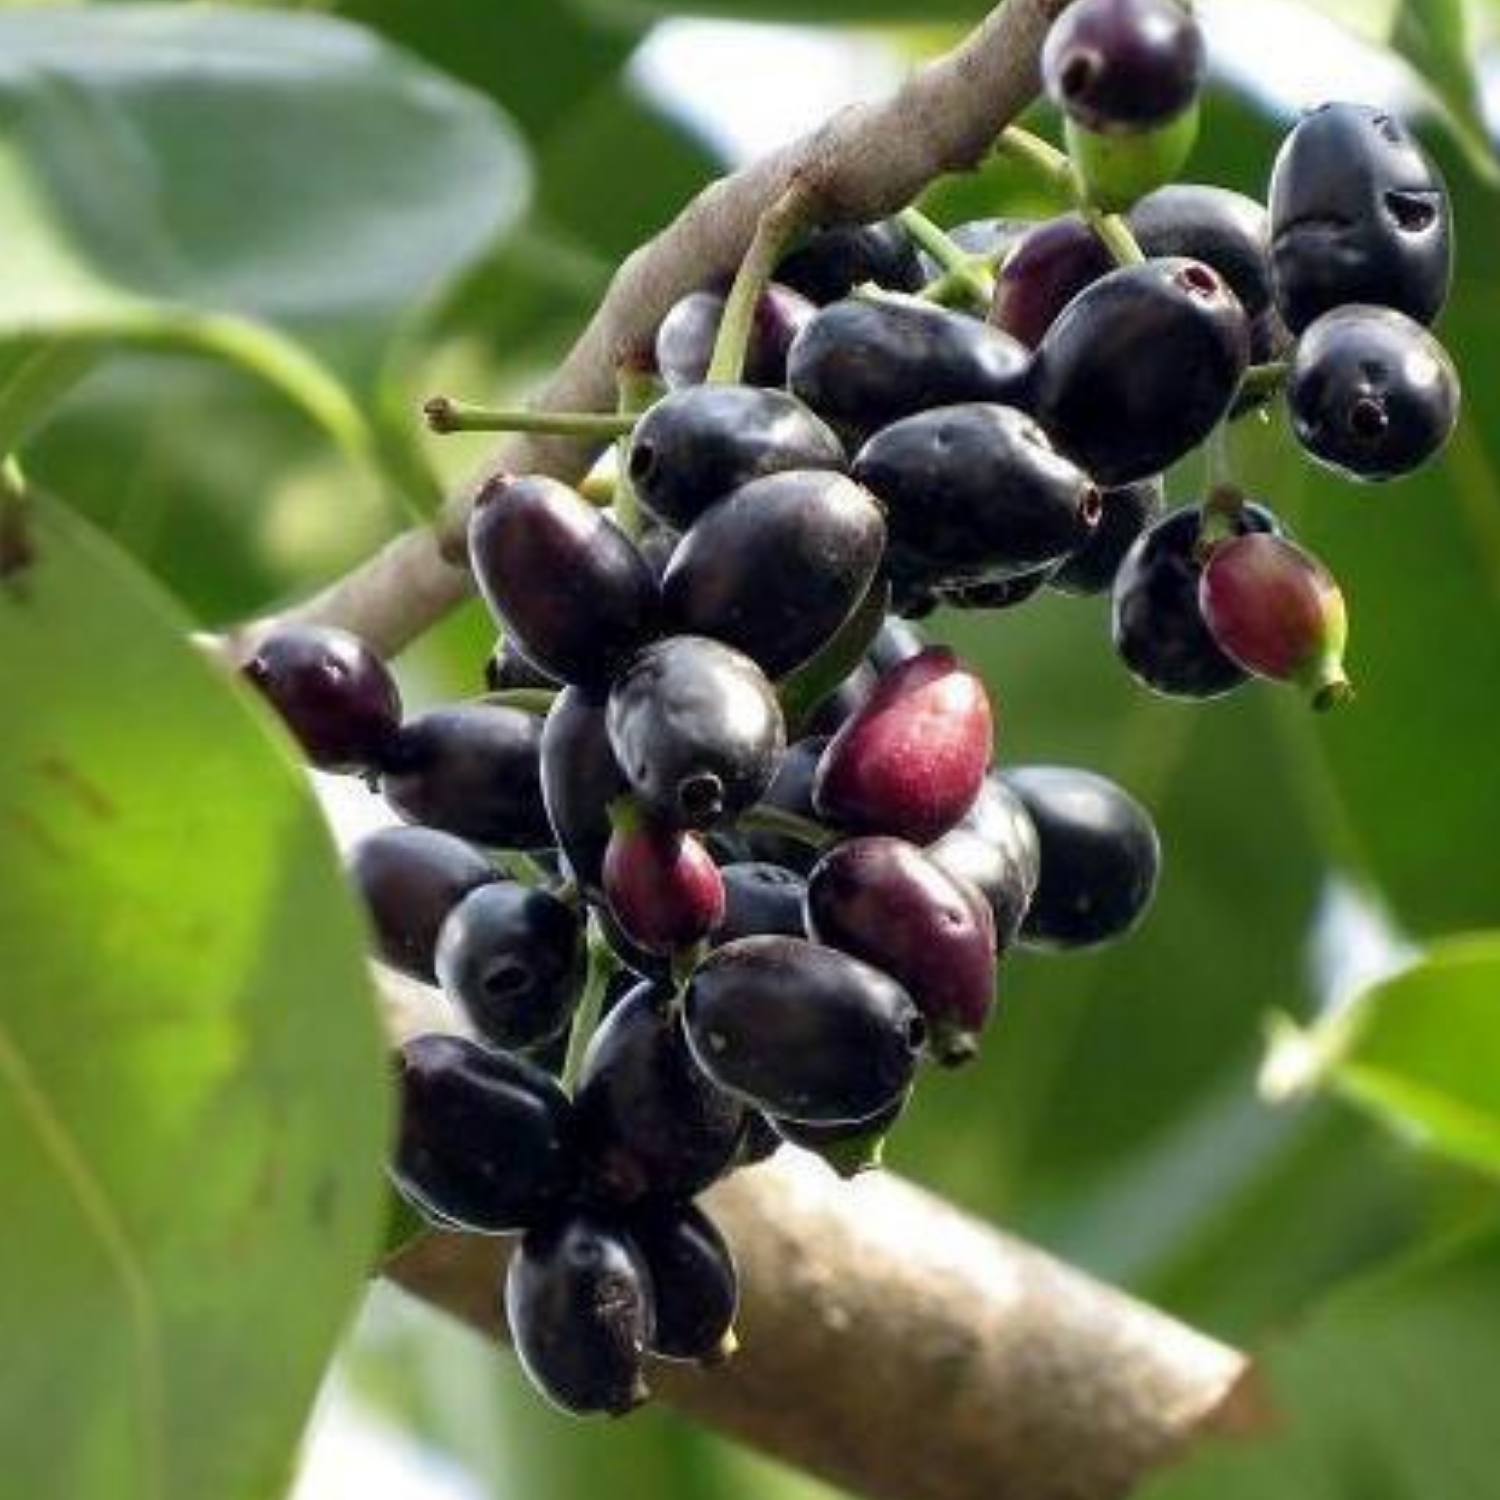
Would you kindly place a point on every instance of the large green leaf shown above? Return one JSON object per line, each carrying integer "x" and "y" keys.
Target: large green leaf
{"x": 1387, "y": 1393}
{"x": 1421, "y": 1051}
{"x": 192, "y": 1096}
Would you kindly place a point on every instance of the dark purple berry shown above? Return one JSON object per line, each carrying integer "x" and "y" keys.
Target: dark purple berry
{"x": 662, "y": 886}
{"x": 1223, "y": 229}
{"x": 696, "y": 729}
{"x": 579, "y": 1303}
{"x": 508, "y": 667}
{"x": 693, "y": 1277}
{"x": 485, "y": 1140}
{"x": 1358, "y": 214}
{"x": 410, "y": 879}
{"x": 863, "y": 364}
{"x": 572, "y": 588}
{"x": 995, "y": 850}
{"x": 512, "y": 960}
{"x": 651, "y": 1123}
{"x": 473, "y": 769}
{"x": 1124, "y": 514}
{"x": 833, "y": 261}
{"x": 698, "y": 444}
{"x": 1158, "y": 625}
{"x": 685, "y": 340}
{"x": 1049, "y": 266}
{"x": 1124, "y": 66}
{"x": 777, "y": 567}
{"x": 1100, "y": 857}
{"x": 911, "y": 761}
{"x": 334, "y": 694}
{"x": 1140, "y": 367}
{"x": 761, "y": 900}
{"x": 579, "y": 781}
{"x": 1372, "y": 394}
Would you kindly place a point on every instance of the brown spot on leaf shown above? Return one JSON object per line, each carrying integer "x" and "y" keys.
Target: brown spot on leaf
{"x": 70, "y": 779}
{"x": 17, "y": 545}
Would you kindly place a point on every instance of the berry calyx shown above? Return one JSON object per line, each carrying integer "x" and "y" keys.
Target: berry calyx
{"x": 1277, "y": 611}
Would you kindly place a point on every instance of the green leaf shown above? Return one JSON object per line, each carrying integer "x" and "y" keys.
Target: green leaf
{"x": 1420, "y": 1051}
{"x": 192, "y": 1090}
{"x": 1387, "y": 1393}
{"x": 1434, "y": 37}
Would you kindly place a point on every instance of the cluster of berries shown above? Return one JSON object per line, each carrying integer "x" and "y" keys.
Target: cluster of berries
{"x": 725, "y": 796}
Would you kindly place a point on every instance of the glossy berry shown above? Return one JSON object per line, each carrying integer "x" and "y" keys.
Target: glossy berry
{"x": 650, "y": 1122}
{"x": 1358, "y": 214}
{"x": 995, "y": 850}
{"x": 486, "y": 1137}
{"x": 698, "y": 444}
{"x": 696, "y": 729}
{"x": 1049, "y": 266}
{"x": 1277, "y": 611}
{"x": 663, "y": 886}
{"x": 334, "y": 694}
{"x": 833, "y": 261}
{"x": 1003, "y": 593}
{"x": 791, "y": 790}
{"x": 1223, "y": 229}
{"x": 863, "y": 364}
{"x": 410, "y": 879}
{"x": 1123, "y": 65}
{"x": 775, "y": 568}
{"x": 579, "y": 1303}
{"x": 473, "y": 769}
{"x": 1371, "y": 393}
{"x": 1124, "y": 514}
{"x": 1140, "y": 367}
{"x": 685, "y": 340}
{"x": 508, "y": 667}
{"x": 579, "y": 781}
{"x": 694, "y": 1280}
{"x": 1159, "y": 630}
{"x": 802, "y": 1031}
{"x": 512, "y": 960}
{"x": 975, "y": 493}
{"x": 911, "y": 761}
{"x": 761, "y": 900}
{"x": 573, "y": 589}
{"x": 885, "y": 901}
{"x": 1100, "y": 857}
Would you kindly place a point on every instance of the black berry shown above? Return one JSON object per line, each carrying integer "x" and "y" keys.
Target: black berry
{"x": 833, "y": 261}
{"x": 1049, "y": 266}
{"x": 995, "y": 850}
{"x": 694, "y": 1280}
{"x": 685, "y": 340}
{"x": 579, "y": 781}
{"x": 1223, "y": 229}
{"x": 1124, "y": 514}
{"x": 761, "y": 900}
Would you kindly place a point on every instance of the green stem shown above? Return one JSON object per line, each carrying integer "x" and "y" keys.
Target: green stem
{"x": 968, "y": 276}
{"x": 1116, "y": 236}
{"x": 602, "y": 966}
{"x": 1260, "y": 382}
{"x": 638, "y": 388}
{"x": 444, "y": 416}
{"x": 523, "y": 869}
{"x": 531, "y": 700}
{"x": 38, "y": 382}
{"x": 781, "y": 222}
{"x": 763, "y": 819}
{"x": 1225, "y": 500}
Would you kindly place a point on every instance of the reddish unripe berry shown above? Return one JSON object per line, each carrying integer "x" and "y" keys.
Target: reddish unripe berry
{"x": 1278, "y": 612}
{"x": 662, "y": 886}
{"x": 911, "y": 760}
{"x": 1049, "y": 266}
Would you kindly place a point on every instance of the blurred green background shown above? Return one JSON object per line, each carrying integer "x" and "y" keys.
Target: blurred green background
{"x": 243, "y": 241}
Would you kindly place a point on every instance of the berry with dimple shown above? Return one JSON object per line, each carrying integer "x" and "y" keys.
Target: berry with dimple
{"x": 1278, "y": 612}
{"x": 1100, "y": 857}
{"x": 974, "y": 494}
{"x": 700, "y": 443}
{"x": 1049, "y": 266}
{"x": 473, "y": 769}
{"x": 579, "y": 1303}
{"x": 1358, "y": 214}
{"x": 410, "y": 880}
{"x": 512, "y": 960}
{"x": 579, "y": 781}
{"x": 572, "y": 588}
{"x": 662, "y": 885}
{"x": 775, "y": 568}
{"x": 1158, "y": 624}
{"x": 696, "y": 730}
{"x": 694, "y": 1280}
{"x": 885, "y": 901}
{"x": 1124, "y": 514}
{"x": 486, "y": 1137}
{"x": 832, "y": 262}
{"x": 1372, "y": 394}
{"x": 1124, "y": 65}
{"x": 685, "y": 340}
{"x": 1140, "y": 367}
{"x": 1223, "y": 229}
{"x": 335, "y": 695}
{"x": 650, "y": 1122}
{"x": 865, "y": 363}
{"x": 912, "y": 759}
{"x": 761, "y": 900}
{"x": 995, "y": 850}
{"x": 802, "y": 1031}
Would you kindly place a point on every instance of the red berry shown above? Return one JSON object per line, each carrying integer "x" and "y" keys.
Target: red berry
{"x": 911, "y": 760}
{"x": 662, "y": 886}
{"x": 1278, "y": 612}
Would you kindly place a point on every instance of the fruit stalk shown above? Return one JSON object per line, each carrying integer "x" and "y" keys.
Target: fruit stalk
{"x": 445, "y": 415}
{"x": 602, "y": 966}
{"x": 964, "y": 273}
{"x": 637, "y": 387}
